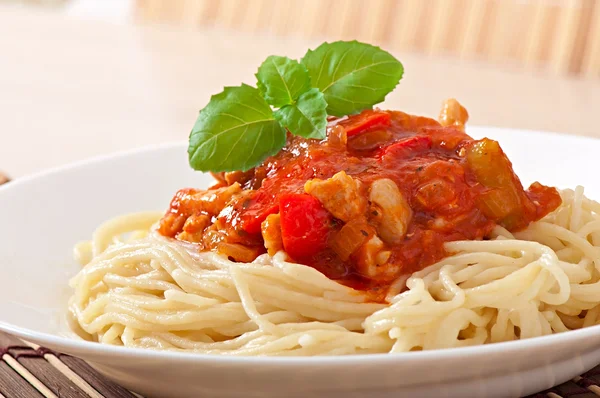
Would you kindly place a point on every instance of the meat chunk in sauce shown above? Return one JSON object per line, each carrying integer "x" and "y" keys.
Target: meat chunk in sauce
{"x": 341, "y": 195}
{"x": 374, "y": 202}
{"x": 390, "y": 211}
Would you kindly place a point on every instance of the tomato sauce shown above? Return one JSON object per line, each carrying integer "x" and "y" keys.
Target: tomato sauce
{"x": 457, "y": 188}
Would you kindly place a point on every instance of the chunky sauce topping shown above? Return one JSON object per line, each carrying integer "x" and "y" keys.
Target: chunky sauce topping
{"x": 374, "y": 201}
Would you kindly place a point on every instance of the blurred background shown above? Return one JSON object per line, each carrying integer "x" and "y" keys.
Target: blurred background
{"x": 561, "y": 36}
{"x": 92, "y": 76}
{"x": 557, "y": 36}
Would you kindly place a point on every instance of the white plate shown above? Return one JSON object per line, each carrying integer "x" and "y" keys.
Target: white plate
{"x": 41, "y": 217}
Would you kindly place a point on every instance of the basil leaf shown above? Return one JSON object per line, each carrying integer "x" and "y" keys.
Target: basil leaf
{"x": 307, "y": 117}
{"x": 353, "y": 76}
{"x": 281, "y": 80}
{"x": 235, "y": 131}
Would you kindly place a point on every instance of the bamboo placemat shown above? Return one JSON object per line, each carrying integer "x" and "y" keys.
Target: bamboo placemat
{"x": 27, "y": 370}
{"x": 30, "y": 371}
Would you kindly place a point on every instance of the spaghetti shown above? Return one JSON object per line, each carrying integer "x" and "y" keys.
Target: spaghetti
{"x": 141, "y": 289}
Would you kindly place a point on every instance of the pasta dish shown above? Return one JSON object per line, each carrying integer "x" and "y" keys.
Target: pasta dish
{"x": 392, "y": 233}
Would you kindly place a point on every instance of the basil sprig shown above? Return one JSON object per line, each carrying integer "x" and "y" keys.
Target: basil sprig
{"x": 242, "y": 126}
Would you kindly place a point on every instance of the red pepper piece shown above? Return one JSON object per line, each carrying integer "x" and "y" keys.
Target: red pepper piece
{"x": 364, "y": 121}
{"x": 305, "y": 225}
{"x": 253, "y": 218}
{"x": 406, "y": 148}
{"x": 256, "y": 210}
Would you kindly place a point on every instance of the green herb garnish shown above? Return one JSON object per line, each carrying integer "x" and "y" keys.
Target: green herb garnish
{"x": 242, "y": 126}
{"x": 235, "y": 131}
{"x": 282, "y": 80}
{"x": 307, "y": 117}
{"x": 353, "y": 76}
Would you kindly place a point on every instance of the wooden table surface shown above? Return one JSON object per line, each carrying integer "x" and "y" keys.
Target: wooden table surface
{"x": 71, "y": 88}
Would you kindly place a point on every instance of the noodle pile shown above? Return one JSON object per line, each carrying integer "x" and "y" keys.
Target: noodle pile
{"x": 140, "y": 289}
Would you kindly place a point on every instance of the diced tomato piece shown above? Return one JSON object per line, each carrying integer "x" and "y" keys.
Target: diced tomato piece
{"x": 305, "y": 225}
{"x": 370, "y": 140}
{"x": 256, "y": 210}
{"x": 364, "y": 121}
{"x": 547, "y": 199}
{"x": 445, "y": 137}
{"x": 253, "y": 219}
{"x": 406, "y": 148}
